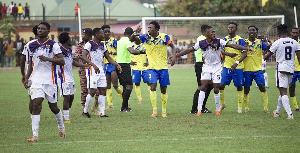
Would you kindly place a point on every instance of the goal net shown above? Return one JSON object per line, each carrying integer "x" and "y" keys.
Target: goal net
{"x": 187, "y": 29}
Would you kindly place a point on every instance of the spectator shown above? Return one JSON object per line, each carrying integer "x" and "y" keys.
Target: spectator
{"x": 184, "y": 57}
{"x": 8, "y": 47}
{"x": 20, "y": 11}
{"x": 27, "y": 11}
{"x": 19, "y": 48}
{"x": 2, "y": 53}
{"x": 4, "y": 10}
{"x": 15, "y": 11}
{"x": 76, "y": 10}
{"x": 10, "y": 8}
{"x": 1, "y": 10}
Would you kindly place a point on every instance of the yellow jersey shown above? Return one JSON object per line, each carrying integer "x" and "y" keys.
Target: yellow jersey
{"x": 253, "y": 62}
{"x": 297, "y": 65}
{"x": 111, "y": 46}
{"x": 140, "y": 59}
{"x": 230, "y": 61}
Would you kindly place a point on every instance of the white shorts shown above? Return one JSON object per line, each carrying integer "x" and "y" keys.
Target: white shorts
{"x": 96, "y": 80}
{"x": 212, "y": 72}
{"x": 67, "y": 88}
{"x": 283, "y": 80}
{"x": 48, "y": 91}
{"x": 29, "y": 83}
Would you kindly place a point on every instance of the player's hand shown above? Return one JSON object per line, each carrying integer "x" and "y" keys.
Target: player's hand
{"x": 172, "y": 60}
{"x": 232, "y": 55}
{"x": 97, "y": 70}
{"x": 251, "y": 51}
{"x": 133, "y": 63}
{"x": 43, "y": 58}
{"x": 138, "y": 29}
{"x": 23, "y": 79}
{"x": 233, "y": 67}
{"x": 146, "y": 64}
{"x": 26, "y": 83}
{"x": 119, "y": 68}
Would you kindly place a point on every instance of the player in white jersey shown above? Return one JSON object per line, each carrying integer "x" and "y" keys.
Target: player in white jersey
{"x": 285, "y": 49}
{"x": 95, "y": 50}
{"x": 264, "y": 67}
{"x": 212, "y": 49}
{"x": 67, "y": 84}
{"x": 24, "y": 65}
{"x": 44, "y": 55}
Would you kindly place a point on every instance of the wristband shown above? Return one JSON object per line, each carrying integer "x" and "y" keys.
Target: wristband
{"x": 237, "y": 62}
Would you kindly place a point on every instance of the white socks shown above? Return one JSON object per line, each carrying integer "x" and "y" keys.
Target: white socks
{"x": 66, "y": 114}
{"x": 35, "y": 124}
{"x": 286, "y": 105}
{"x": 101, "y": 101}
{"x": 200, "y": 100}
{"x": 279, "y": 105}
{"x": 266, "y": 79}
{"x": 88, "y": 101}
{"x": 217, "y": 101}
{"x": 59, "y": 120}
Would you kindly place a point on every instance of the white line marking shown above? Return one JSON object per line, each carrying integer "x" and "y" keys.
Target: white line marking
{"x": 144, "y": 140}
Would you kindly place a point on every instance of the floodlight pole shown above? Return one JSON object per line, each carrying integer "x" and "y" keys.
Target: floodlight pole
{"x": 44, "y": 18}
{"x": 79, "y": 23}
{"x": 104, "y": 13}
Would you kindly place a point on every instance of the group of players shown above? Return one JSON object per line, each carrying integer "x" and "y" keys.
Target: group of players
{"x": 50, "y": 65}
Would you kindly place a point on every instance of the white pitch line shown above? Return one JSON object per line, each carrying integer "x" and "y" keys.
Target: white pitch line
{"x": 144, "y": 140}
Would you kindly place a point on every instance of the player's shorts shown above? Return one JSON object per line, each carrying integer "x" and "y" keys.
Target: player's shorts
{"x": 212, "y": 72}
{"x": 29, "y": 83}
{"x": 295, "y": 77}
{"x": 161, "y": 75}
{"x": 108, "y": 68}
{"x": 95, "y": 80}
{"x": 283, "y": 79}
{"x": 125, "y": 76}
{"x": 48, "y": 91}
{"x": 257, "y": 76}
{"x": 137, "y": 75}
{"x": 198, "y": 71}
{"x": 67, "y": 88}
{"x": 237, "y": 76}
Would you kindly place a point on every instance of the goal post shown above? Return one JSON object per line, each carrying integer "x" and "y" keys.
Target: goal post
{"x": 187, "y": 29}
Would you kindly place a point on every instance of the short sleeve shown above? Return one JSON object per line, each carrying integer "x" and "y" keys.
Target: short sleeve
{"x": 115, "y": 41}
{"x": 242, "y": 42}
{"x": 142, "y": 38}
{"x": 56, "y": 49}
{"x": 196, "y": 46}
{"x": 264, "y": 46}
{"x": 88, "y": 46}
{"x": 168, "y": 40}
{"x": 223, "y": 43}
{"x": 25, "y": 51}
{"x": 274, "y": 47}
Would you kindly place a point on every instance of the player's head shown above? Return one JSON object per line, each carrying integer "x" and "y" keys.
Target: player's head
{"x": 64, "y": 38}
{"x": 232, "y": 27}
{"x": 210, "y": 32}
{"x": 87, "y": 34}
{"x": 98, "y": 34}
{"x": 203, "y": 28}
{"x": 34, "y": 30}
{"x": 252, "y": 31}
{"x": 295, "y": 33}
{"x": 43, "y": 29}
{"x": 128, "y": 31}
{"x": 282, "y": 30}
{"x": 153, "y": 28}
{"x": 106, "y": 30}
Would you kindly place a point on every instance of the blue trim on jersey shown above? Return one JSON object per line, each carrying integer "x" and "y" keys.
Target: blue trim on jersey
{"x": 237, "y": 76}
{"x": 264, "y": 46}
{"x": 115, "y": 43}
{"x": 161, "y": 75}
{"x": 295, "y": 77}
{"x": 55, "y": 74}
{"x": 257, "y": 76}
{"x": 242, "y": 42}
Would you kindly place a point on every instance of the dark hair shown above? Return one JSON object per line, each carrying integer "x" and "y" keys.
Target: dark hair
{"x": 236, "y": 25}
{"x": 282, "y": 28}
{"x": 34, "y": 30}
{"x": 105, "y": 26}
{"x": 64, "y": 37}
{"x": 46, "y": 24}
{"x": 96, "y": 30}
{"x": 204, "y": 27}
{"x": 208, "y": 27}
{"x": 253, "y": 27}
{"x": 128, "y": 31}
{"x": 156, "y": 25}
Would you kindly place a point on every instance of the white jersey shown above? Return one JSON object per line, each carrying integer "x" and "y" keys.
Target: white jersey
{"x": 211, "y": 52}
{"x": 44, "y": 72}
{"x": 25, "y": 52}
{"x": 96, "y": 52}
{"x": 285, "y": 49}
{"x": 263, "y": 64}
{"x": 66, "y": 70}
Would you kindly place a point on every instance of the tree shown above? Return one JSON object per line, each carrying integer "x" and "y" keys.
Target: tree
{"x": 7, "y": 27}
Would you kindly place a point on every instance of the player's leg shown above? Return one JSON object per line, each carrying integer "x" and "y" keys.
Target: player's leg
{"x": 109, "y": 92}
{"x": 35, "y": 117}
{"x": 260, "y": 81}
{"x": 284, "y": 82}
{"x": 83, "y": 85}
{"x": 292, "y": 90}
{"x": 248, "y": 77}
{"x": 210, "y": 87}
{"x": 136, "y": 79}
{"x": 153, "y": 75}
{"x": 101, "y": 101}
{"x": 204, "y": 84}
{"x": 114, "y": 80}
{"x": 225, "y": 80}
{"x": 238, "y": 80}
{"x": 198, "y": 71}
{"x": 92, "y": 87}
{"x": 164, "y": 81}
{"x": 126, "y": 81}
{"x": 266, "y": 79}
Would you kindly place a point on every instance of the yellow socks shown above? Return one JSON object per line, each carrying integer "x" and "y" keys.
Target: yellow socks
{"x": 164, "y": 100}
{"x": 138, "y": 92}
{"x": 222, "y": 97}
{"x": 153, "y": 99}
{"x": 240, "y": 99}
{"x": 294, "y": 101}
{"x": 246, "y": 101}
{"x": 109, "y": 97}
{"x": 120, "y": 91}
{"x": 265, "y": 99}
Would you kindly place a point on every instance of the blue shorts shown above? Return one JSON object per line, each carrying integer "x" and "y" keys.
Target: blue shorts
{"x": 108, "y": 68}
{"x": 137, "y": 75}
{"x": 161, "y": 75}
{"x": 295, "y": 77}
{"x": 257, "y": 76}
{"x": 237, "y": 76}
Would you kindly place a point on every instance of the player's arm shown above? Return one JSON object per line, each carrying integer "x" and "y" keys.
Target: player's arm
{"x": 229, "y": 54}
{"x": 134, "y": 36}
{"x": 173, "y": 58}
{"x": 29, "y": 71}
{"x": 298, "y": 55}
{"x": 22, "y": 66}
{"x": 59, "y": 60}
{"x": 135, "y": 52}
{"x": 77, "y": 64}
{"x": 86, "y": 60}
{"x": 112, "y": 61}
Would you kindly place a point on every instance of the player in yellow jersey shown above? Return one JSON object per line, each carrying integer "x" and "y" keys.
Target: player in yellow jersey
{"x": 292, "y": 89}
{"x": 110, "y": 69}
{"x": 233, "y": 67}
{"x": 139, "y": 69}
{"x": 156, "y": 45}
{"x": 253, "y": 67}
